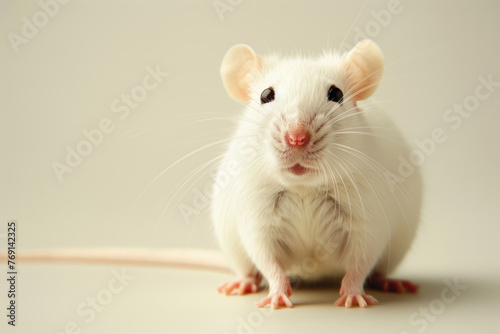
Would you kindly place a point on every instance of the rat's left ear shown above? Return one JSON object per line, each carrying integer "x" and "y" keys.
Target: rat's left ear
{"x": 237, "y": 68}
{"x": 365, "y": 65}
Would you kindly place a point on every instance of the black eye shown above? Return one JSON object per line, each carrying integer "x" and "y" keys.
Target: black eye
{"x": 335, "y": 94}
{"x": 267, "y": 95}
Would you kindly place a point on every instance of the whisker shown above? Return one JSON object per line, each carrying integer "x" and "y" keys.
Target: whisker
{"x": 167, "y": 128}
{"x": 373, "y": 134}
{"x": 353, "y": 23}
{"x": 377, "y": 197}
{"x": 192, "y": 174}
{"x": 222, "y": 141}
{"x": 350, "y": 210}
{"x": 381, "y": 170}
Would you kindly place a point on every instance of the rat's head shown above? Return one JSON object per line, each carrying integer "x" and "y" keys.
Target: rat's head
{"x": 304, "y": 108}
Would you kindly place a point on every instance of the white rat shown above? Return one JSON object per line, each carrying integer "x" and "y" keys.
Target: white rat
{"x": 316, "y": 193}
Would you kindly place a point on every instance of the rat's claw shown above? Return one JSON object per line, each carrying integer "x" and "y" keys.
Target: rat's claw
{"x": 275, "y": 300}
{"x": 361, "y": 300}
{"x": 227, "y": 287}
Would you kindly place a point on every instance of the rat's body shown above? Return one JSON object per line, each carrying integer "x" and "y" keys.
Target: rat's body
{"x": 316, "y": 192}
{"x": 314, "y": 189}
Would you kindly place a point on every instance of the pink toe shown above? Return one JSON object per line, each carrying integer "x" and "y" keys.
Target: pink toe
{"x": 361, "y": 301}
{"x": 410, "y": 287}
{"x": 263, "y": 302}
{"x": 341, "y": 301}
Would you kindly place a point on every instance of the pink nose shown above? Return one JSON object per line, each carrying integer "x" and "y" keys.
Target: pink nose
{"x": 298, "y": 137}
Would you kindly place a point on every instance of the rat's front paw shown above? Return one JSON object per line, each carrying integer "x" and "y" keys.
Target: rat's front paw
{"x": 361, "y": 300}
{"x": 275, "y": 299}
{"x": 278, "y": 296}
{"x": 352, "y": 293}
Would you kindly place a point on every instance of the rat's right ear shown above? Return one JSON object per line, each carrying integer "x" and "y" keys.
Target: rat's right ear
{"x": 237, "y": 69}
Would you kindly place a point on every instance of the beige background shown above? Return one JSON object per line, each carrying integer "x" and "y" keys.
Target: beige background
{"x": 64, "y": 79}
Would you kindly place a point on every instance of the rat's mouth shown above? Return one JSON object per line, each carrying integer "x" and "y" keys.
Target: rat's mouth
{"x": 298, "y": 169}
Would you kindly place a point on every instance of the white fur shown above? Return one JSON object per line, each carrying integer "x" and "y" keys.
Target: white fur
{"x": 348, "y": 216}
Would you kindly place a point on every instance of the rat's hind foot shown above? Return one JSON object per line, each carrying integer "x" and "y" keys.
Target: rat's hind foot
{"x": 240, "y": 287}
{"x": 381, "y": 282}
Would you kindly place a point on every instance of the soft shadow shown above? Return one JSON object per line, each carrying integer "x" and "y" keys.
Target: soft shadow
{"x": 326, "y": 292}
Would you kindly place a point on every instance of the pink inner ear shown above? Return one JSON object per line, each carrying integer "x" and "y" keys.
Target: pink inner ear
{"x": 352, "y": 83}
{"x": 243, "y": 81}
{"x": 364, "y": 67}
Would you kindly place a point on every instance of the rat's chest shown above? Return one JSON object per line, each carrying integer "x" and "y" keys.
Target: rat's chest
{"x": 314, "y": 208}
{"x": 304, "y": 221}
{"x": 309, "y": 229}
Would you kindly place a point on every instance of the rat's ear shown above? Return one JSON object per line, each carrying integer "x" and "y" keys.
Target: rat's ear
{"x": 365, "y": 65}
{"x": 237, "y": 68}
